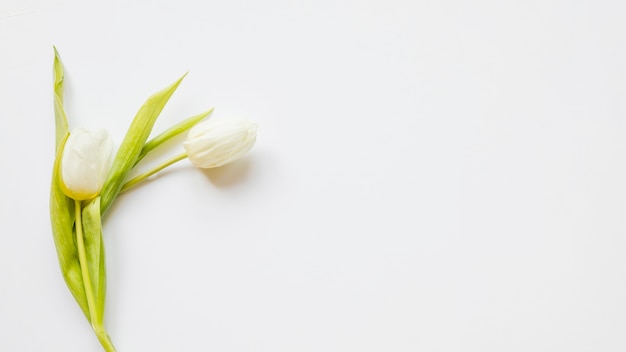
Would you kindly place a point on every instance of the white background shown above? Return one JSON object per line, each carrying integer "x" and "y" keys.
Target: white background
{"x": 429, "y": 175}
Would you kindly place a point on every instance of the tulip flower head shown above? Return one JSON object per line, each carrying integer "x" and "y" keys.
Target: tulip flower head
{"x": 216, "y": 142}
{"x": 86, "y": 160}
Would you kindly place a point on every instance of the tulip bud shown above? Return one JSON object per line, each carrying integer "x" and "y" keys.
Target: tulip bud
{"x": 214, "y": 143}
{"x": 86, "y": 160}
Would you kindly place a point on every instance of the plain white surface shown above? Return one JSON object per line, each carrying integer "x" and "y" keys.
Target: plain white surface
{"x": 429, "y": 175}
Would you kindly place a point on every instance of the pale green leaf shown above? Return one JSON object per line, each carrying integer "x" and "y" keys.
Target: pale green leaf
{"x": 133, "y": 142}
{"x": 102, "y": 285}
{"x": 61, "y": 206}
{"x": 62, "y": 219}
{"x": 59, "y": 113}
{"x": 94, "y": 250}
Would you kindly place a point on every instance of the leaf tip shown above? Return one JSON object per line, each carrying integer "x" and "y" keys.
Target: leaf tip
{"x": 208, "y": 112}
{"x": 175, "y": 85}
{"x": 182, "y": 77}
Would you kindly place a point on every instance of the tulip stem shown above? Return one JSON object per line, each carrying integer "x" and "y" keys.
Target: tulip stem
{"x": 96, "y": 323}
{"x": 82, "y": 258}
{"x": 135, "y": 180}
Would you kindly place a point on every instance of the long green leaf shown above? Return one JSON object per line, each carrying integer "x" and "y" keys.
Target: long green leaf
{"x": 62, "y": 219}
{"x": 133, "y": 142}
{"x": 102, "y": 285}
{"x": 60, "y": 118}
{"x": 92, "y": 234}
{"x": 62, "y": 207}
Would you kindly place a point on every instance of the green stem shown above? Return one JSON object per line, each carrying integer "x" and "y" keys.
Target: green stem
{"x": 135, "y": 180}
{"x": 171, "y": 133}
{"x": 82, "y": 258}
{"x": 104, "y": 339}
{"x": 96, "y": 323}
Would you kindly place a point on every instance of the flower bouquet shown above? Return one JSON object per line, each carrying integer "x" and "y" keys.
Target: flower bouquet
{"x": 88, "y": 175}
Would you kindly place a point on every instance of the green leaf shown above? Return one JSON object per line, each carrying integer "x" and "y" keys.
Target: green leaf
{"x": 61, "y": 206}
{"x": 102, "y": 285}
{"x": 171, "y": 133}
{"x": 62, "y": 218}
{"x": 133, "y": 143}
{"x": 94, "y": 250}
{"x": 59, "y": 113}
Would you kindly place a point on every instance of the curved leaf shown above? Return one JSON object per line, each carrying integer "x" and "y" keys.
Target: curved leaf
{"x": 59, "y": 113}
{"x": 133, "y": 142}
{"x": 94, "y": 249}
{"x": 62, "y": 218}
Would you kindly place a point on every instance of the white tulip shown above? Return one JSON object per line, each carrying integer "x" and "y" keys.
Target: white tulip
{"x": 217, "y": 142}
{"x": 86, "y": 161}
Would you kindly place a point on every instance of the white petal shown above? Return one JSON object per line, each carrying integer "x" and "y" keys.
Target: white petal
{"x": 86, "y": 161}
{"x": 214, "y": 143}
